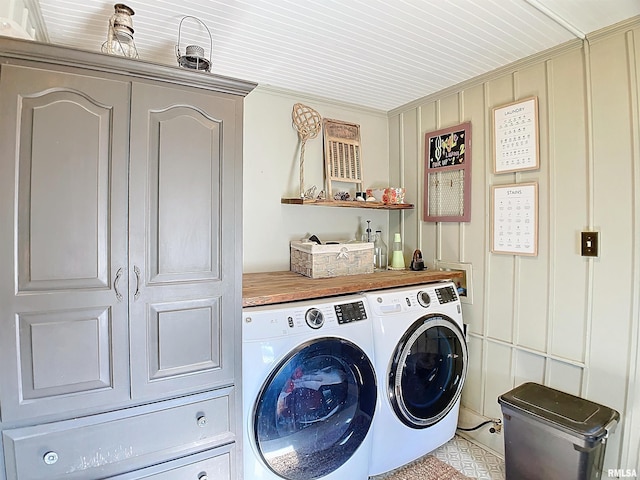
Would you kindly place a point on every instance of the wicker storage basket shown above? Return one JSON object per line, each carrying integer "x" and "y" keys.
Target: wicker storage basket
{"x": 323, "y": 261}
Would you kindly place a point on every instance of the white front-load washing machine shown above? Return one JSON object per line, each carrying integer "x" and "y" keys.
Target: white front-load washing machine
{"x": 308, "y": 390}
{"x": 421, "y": 363}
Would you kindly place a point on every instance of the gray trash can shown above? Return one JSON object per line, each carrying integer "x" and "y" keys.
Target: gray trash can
{"x": 551, "y": 435}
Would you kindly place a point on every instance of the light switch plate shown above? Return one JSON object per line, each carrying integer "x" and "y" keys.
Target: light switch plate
{"x": 589, "y": 244}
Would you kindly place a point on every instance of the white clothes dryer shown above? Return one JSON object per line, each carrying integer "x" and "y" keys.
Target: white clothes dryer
{"x": 309, "y": 390}
{"x": 421, "y": 364}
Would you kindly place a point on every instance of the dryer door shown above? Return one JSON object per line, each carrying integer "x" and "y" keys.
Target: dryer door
{"x": 427, "y": 371}
{"x": 315, "y": 409}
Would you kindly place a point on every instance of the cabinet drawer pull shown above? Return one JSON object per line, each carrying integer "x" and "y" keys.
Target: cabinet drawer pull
{"x": 202, "y": 421}
{"x": 115, "y": 284}
{"x": 50, "y": 458}
{"x": 136, "y": 270}
{"x": 203, "y": 476}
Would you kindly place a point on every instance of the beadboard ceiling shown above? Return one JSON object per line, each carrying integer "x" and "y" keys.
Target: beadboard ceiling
{"x": 379, "y": 54}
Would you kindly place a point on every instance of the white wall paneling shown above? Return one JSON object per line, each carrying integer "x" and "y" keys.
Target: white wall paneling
{"x": 565, "y": 376}
{"x": 567, "y": 160}
{"x": 499, "y": 371}
{"x": 529, "y": 367}
{"x": 471, "y": 394}
{"x": 631, "y": 449}
{"x": 560, "y": 319}
{"x": 613, "y": 215}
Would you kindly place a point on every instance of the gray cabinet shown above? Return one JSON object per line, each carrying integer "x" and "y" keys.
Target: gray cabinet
{"x": 120, "y": 267}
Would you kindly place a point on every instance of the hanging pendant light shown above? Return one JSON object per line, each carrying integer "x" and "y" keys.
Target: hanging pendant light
{"x": 194, "y": 55}
{"x": 120, "y": 33}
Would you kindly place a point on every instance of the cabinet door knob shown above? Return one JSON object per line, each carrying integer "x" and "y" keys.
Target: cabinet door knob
{"x": 202, "y": 421}
{"x": 50, "y": 458}
{"x": 203, "y": 476}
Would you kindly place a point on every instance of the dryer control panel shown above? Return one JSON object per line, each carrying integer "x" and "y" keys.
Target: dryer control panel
{"x": 441, "y": 297}
{"x": 350, "y": 312}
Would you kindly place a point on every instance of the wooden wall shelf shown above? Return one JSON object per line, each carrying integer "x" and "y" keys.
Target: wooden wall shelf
{"x": 348, "y": 204}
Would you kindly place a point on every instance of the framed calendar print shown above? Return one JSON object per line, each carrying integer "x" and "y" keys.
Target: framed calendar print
{"x": 515, "y": 136}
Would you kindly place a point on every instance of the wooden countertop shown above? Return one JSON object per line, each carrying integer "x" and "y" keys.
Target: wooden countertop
{"x": 277, "y": 287}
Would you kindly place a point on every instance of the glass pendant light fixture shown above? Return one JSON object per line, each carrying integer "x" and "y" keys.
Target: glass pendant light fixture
{"x": 120, "y": 33}
{"x": 194, "y": 54}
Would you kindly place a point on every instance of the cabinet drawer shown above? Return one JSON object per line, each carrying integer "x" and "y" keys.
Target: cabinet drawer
{"x": 215, "y": 464}
{"x": 110, "y": 444}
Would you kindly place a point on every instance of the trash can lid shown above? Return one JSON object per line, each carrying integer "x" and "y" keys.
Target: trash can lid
{"x": 576, "y": 415}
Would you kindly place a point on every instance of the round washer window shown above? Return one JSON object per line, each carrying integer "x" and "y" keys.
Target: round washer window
{"x": 315, "y": 409}
{"x": 428, "y": 371}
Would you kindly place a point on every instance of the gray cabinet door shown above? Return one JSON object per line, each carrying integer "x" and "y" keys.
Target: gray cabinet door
{"x": 63, "y": 247}
{"x": 183, "y": 177}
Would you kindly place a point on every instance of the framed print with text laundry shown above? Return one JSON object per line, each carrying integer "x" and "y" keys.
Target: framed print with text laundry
{"x": 514, "y": 219}
{"x": 447, "y": 174}
{"x": 515, "y": 136}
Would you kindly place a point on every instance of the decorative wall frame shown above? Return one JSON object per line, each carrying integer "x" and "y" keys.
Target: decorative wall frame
{"x": 514, "y": 219}
{"x": 447, "y": 174}
{"x": 342, "y": 155}
{"x": 516, "y": 137}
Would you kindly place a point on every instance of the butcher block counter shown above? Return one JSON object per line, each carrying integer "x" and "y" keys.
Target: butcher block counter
{"x": 276, "y": 287}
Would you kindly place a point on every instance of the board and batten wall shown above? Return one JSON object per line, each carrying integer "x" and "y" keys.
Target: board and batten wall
{"x": 558, "y": 318}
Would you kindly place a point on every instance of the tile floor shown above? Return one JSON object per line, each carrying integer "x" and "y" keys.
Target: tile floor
{"x": 470, "y": 459}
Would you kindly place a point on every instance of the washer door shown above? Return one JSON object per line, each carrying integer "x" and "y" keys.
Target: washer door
{"x": 315, "y": 409}
{"x": 427, "y": 371}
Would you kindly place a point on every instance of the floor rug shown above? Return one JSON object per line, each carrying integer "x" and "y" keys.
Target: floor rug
{"x": 426, "y": 468}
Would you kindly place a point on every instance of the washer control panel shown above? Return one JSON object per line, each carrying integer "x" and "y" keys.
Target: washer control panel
{"x": 300, "y": 318}
{"x": 350, "y": 312}
{"x": 446, "y": 294}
